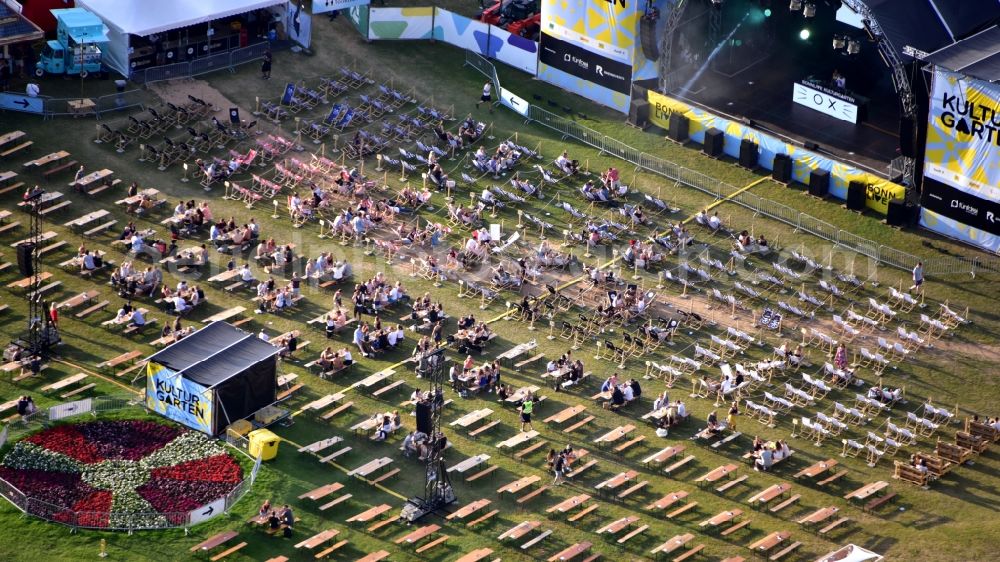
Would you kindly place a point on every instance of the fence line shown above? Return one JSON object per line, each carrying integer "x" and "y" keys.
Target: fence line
{"x": 227, "y": 60}
{"x": 881, "y": 253}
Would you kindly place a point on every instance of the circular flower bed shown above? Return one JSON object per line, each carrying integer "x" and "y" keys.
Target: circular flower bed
{"x": 119, "y": 474}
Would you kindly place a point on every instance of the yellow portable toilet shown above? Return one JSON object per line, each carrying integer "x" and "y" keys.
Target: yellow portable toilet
{"x": 263, "y": 443}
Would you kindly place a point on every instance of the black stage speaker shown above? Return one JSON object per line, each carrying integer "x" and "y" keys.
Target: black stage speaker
{"x": 647, "y": 35}
{"x": 811, "y": 146}
{"x": 714, "y": 139}
{"x": 906, "y": 137}
{"x": 424, "y": 424}
{"x": 638, "y": 113}
{"x": 901, "y": 214}
{"x": 819, "y": 183}
{"x": 748, "y": 154}
{"x": 678, "y": 127}
{"x": 234, "y": 115}
{"x": 781, "y": 170}
{"x": 25, "y": 264}
{"x": 856, "y": 192}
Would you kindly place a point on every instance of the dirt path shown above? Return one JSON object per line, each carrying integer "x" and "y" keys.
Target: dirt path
{"x": 177, "y": 91}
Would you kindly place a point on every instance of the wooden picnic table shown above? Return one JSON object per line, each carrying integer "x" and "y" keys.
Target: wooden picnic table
{"x": 225, "y": 314}
{"x": 12, "y": 136}
{"x": 867, "y": 490}
{"x": 150, "y": 192}
{"x": 40, "y": 239}
{"x": 476, "y": 555}
{"x": 322, "y": 491}
{"x": 324, "y": 401}
{"x": 571, "y": 552}
{"x": 27, "y": 281}
{"x": 718, "y": 473}
{"x": 375, "y": 378}
{"x": 320, "y": 445}
{"x": 721, "y": 518}
{"x": 214, "y": 541}
{"x": 517, "y": 351}
{"x": 673, "y": 544}
{"x": 7, "y": 176}
{"x": 568, "y": 504}
{"x": 418, "y": 534}
{"x": 91, "y": 178}
{"x": 616, "y": 526}
{"x": 521, "y": 393}
{"x": 818, "y": 516}
{"x": 770, "y": 541}
{"x": 468, "y": 463}
{"x": 769, "y": 493}
{"x": 668, "y": 500}
{"x": 45, "y": 199}
{"x": 519, "y": 484}
{"x": 370, "y": 467}
{"x": 318, "y": 539}
{"x": 615, "y": 434}
{"x": 47, "y": 159}
{"x": 566, "y": 414}
{"x": 61, "y": 384}
{"x": 518, "y": 439}
{"x": 472, "y": 417}
{"x": 469, "y": 509}
{"x": 663, "y": 455}
{"x": 519, "y": 530}
{"x": 617, "y": 480}
{"x": 370, "y": 513}
{"x": 4, "y": 215}
{"x": 375, "y": 556}
{"x": 90, "y": 217}
{"x": 817, "y": 468}
{"x": 225, "y": 276}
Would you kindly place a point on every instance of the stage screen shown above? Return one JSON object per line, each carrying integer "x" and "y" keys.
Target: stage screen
{"x": 587, "y": 47}
{"x": 961, "y": 190}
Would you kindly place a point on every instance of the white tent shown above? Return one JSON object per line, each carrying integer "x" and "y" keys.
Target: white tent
{"x": 142, "y": 18}
{"x": 851, "y": 553}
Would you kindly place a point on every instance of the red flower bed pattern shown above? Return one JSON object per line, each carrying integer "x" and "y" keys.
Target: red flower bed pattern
{"x": 40, "y": 472}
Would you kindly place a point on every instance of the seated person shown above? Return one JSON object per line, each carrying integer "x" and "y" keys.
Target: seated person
{"x": 568, "y": 167}
{"x": 714, "y": 222}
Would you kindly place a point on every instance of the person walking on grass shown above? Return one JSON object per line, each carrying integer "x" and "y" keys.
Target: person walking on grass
{"x": 526, "y": 408}
{"x": 918, "y": 277}
{"x": 265, "y": 67}
{"x": 487, "y": 96}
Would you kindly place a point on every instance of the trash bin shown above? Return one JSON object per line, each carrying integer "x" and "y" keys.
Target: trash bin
{"x": 263, "y": 443}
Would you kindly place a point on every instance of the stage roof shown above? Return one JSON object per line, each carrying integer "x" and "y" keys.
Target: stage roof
{"x": 978, "y": 56}
{"x": 214, "y": 354}
{"x": 930, "y": 25}
{"x": 141, "y": 17}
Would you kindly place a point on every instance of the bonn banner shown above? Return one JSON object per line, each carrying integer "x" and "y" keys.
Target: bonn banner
{"x": 589, "y": 47}
{"x": 962, "y": 159}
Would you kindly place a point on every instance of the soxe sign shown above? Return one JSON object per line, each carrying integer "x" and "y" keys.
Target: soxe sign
{"x": 824, "y": 103}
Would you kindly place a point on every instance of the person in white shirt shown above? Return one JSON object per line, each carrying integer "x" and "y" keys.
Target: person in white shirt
{"x": 714, "y": 222}
{"x": 263, "y": 335}
{"x": 391, "y": 337}
{"x": 88, "y": 262}
{"x": 180, "y": 305}
{"x": 487, "y": 95}
{"x": 137, "y": 243}
{"x": 179, "y": 210}
{"x": 627, "y": 392}
{"x": 138, "y": 319}
{"x": 245, "y": 274}
{"x": 681, "y": 410}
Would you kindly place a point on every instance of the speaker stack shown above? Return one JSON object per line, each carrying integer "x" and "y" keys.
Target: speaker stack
{"x": 856, "y": 194}
{"x": 714, "y": 140}
{"x": 901, "y": 214}
{"x": 25, "y": 264}
{"x": 424, "y": 423}
{"x": 819, "y": 183}
{"x": 748, "y": 154}
{"x": 638, "y": 113}
{"x": 677, "y": 129}
{"x": 781, "y": 171}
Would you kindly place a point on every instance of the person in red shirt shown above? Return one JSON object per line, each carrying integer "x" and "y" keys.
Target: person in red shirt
{"x": 54, "y": 315}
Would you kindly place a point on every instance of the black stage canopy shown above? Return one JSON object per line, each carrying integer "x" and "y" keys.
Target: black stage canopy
{"x": 214, "y": 354}
{"x": 978, "y": 56}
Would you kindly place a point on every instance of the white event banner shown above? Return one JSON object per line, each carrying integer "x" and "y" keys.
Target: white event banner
{"x": 825, "y": 103}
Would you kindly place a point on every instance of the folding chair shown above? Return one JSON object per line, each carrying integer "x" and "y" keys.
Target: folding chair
{"x": 851, "y": 448}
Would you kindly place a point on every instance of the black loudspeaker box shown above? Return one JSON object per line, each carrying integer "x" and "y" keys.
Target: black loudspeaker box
{"x": 781, "y": 171}
{"x": 678, "y": 128}
{"x": 901, "y": 214}
{"x": 856, "y": 192}
{"x": 748, "y": 154}
{"x": 424, "y": 424}
{"x": 819, "y": 183}
{"x": 714, "y": 139}
{"x": 638, "y": 113}
{"x": 25, "y": 264}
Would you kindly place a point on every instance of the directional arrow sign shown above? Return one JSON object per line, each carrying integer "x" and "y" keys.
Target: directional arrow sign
{"x": 20, "y": 102}
{"x": 207, "y": 511}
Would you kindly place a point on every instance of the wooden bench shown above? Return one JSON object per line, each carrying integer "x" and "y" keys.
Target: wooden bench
{"x": 532, "y": 495}
{"x": 385, "y": 476}
{"x": 16, "y": 149}
{"x": 781, "y": 553}
{"x": 633, "y": 533}
{"x": 79, "y": 390}
{"x": 438, "y": 541}
{"x": 383, "y": 523}
{"x": 335, "y": 454}
{"x": 56, "y": 169}
{"x": 484, "y": 428}
{"x": 102, "y": 187}
{"x": 339, "y": 409}
{"x": 972, "y": 442}
{"x": 879, "y": 502}
{"x": 679, "y": 464}
{"x": 690, "y": 553}
{"x": 583, "y": 512}
{"x": 92, "y": 309}
{"x": 834, "y": 525}
{"x": 100, "y": 228}
{"x": 911, "y": 474}
{"x": 389, "y": 387}
{"x": 9, "y": 226}
{"x": 485, "y": 517}
{"x": 335, "y": 501}
{"x": 786, "y": 503}
{"x": 45, "y": 288}
{"x": 53, "y": 208}
{"x": 953, "y": 453}
{"x": 578, "y": 471}
{"x": 736, "y": 527}
{"x": 134, "y": 329}
{"x": 632, "y": 489}
{"x": 541, "y": 536}
{"x": 330, "y": 549}
{"x": 629, "y": 443}
{"x": 732, "y": 483}
{"x": 228, "y": 551}
{"x": 525, "y": 452}
{"x": 285, "y": 394}
{"x": 481, "y": 473}
{"x": 579, "y": 424}
{"x": 686, "y": 507}
{"x": 832, "y": 478}
{"x": 528, "y": 361}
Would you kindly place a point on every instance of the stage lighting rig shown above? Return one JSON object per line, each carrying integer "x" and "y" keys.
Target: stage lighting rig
{"x": 839, "y": 42}
{"x": 853, "y": 47}
{"x": 795, "y": 5}
{"x": 809, "y": 10}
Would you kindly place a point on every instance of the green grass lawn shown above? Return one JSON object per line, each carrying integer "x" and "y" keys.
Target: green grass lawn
{"x": 952, "y": 521}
